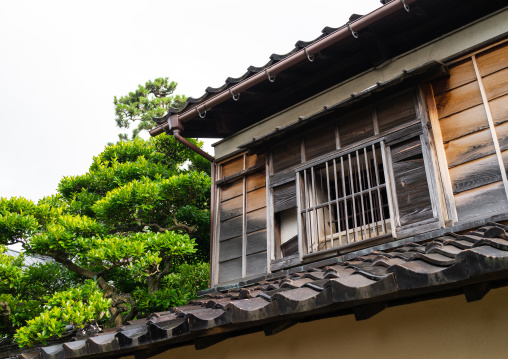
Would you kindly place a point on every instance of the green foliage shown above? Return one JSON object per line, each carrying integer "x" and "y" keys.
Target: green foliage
{"x": 24, "y": 290}
{"x": 190, "y": 279}
{"x": 147, "y": 201}
{"x": 129, "y": 236}
{"x": 10, "y": 270}
{"x": 75, "y": 306}
{"x": 178, "y": 288}
{"x": 154, "y": 99}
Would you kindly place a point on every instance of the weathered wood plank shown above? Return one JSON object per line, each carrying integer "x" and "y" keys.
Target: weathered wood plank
{"x": 460, "y": 74}
{"x": 493, "y": 60}
{"x": 408, "y": 165}
{"x": 464, "y": 123}
{"x": 415, "y": 214}
{"x": 411, "y": 187}
{"x": 459, "y": 99}
{"x": 256, "y": 263}
{"x": 256, "y": 242}
{"x": 404, "y": 134}
{"x": 231, "y": 228}
{"x": 230, "y": 270}
{"x": 284, "y": 197}
{"x": 395, "y": 112}
{"x": 496, "y": 85}
{"x": 230, "y": 249}
{"x": 231, "y": 167}
{"x": 290, "y": 247}
{"x": 502, "y": 135}
{"x": 320, "y": 142}
{"x": 256, "y": 199}
{"x": 469, "y": 148}
{"x": 286, "y": 155}
{"x": 282, "y": 177}
{"x": 499, "y": 109}
{"x": 356, "y": 127}
{"x": 255, "y": 160}
{"x": 482, "y": 200}
{"x": 406, "y": 150}
{"x": 231, "y": 208}
{"x": 504, "y": 156}
{"x": 256, "y": 220}
{"x": 410, "y": 180}
{"x": 238, "y": 175}
{"x": 231, "y": 189}
{"x": 256, "y": 180}
{"x": 475, "y": 174}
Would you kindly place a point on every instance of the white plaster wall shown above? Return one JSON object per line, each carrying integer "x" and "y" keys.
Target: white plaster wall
{"x": 440, "y": 328}
{"x": 288, "y": 225}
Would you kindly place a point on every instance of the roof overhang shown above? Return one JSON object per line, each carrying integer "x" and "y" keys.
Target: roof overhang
{"x": 427, "y": 71}
{"x": 382, "y": 35}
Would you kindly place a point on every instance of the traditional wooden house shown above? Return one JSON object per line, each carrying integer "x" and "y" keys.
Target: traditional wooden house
{"x": 364, "y": 170}
{"x": 386, "y": 131}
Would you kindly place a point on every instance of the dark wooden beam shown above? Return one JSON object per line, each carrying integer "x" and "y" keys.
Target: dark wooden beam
{"x": 277, "y": 327}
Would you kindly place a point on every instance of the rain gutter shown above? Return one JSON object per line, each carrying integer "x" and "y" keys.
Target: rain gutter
{"x": 346, "y": 31}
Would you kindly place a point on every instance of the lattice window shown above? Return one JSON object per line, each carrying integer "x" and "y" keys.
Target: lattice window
{"x": 344, "y": 199}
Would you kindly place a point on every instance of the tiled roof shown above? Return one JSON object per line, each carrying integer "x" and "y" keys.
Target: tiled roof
{"x": 382, "y": 37}
{"x": 251, "y": 70}
{"x": 448, "y": 265}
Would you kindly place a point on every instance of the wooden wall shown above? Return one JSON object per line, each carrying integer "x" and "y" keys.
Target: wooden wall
{"x": 242, "y": 241}
{"x": 410, "y": 181}
{"x": 471, "y": 114}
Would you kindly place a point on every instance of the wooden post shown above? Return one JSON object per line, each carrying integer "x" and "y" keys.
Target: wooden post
{"x": 441, "y": 155}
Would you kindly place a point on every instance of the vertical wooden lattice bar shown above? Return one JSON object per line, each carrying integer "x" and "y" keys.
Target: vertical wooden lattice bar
{"x": 350, "y": 164}
{"x": 353, "y": 207}
{"x": 307, "y": 218}
{"x": 339, "y": 215}
{"x": 381, "y": 214}
{"x": 373, "y": 219}
{"x": 344, "y": 194}
{"x": 364, "y": 224}
{"x": 329, "y": 204}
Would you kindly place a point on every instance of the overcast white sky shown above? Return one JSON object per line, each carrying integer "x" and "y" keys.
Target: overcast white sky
{"x": 61, "y": 63}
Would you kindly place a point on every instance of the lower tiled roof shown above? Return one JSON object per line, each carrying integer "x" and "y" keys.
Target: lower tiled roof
{"x": 447, "y": 265}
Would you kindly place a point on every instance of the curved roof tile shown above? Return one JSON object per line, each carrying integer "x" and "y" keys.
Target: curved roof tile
{"x": 251, "y": 70}
{"x": 372, "y": 279}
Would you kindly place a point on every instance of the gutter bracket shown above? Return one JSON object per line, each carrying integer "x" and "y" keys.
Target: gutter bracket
{"x": 406, "y": 7}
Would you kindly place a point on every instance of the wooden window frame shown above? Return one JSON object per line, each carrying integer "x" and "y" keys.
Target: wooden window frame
{"x": 358, "y": 204}
{"x": 394, "y": 135}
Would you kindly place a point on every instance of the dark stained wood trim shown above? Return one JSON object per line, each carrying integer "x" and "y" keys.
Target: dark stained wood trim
{"x": 240, "y": 174}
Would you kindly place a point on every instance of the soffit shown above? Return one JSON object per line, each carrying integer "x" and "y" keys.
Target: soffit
{"x": 390, "y": 37}
{"x": 427, "y": 70}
